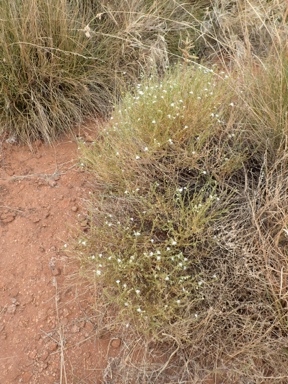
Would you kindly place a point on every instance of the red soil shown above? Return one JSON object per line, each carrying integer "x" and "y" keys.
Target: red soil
{"x": 47, "y": 334}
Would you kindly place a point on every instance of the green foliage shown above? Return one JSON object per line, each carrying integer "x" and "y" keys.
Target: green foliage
{"x": 188, "y": 236}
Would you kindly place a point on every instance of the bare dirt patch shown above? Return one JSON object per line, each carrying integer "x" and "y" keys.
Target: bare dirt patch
{"x": 47, "y": 334}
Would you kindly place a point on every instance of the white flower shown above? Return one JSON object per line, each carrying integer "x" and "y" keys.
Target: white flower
{"x": 137, "y": 233}
{"x": 137, "y": 157}
{"x": 153, "y": 121}
{"x": 92, "y": 257}
{"x": 178, "y": 302}
{"x": 167, "y": 278}
{"x": 173, "y": 242}
{"x": 137, "y": 291}
{"x": 139, "y": 310}
{"x": 145, "y": 149}
{"x": 117, "y": 281}
{"x": 98, "y": 272}
{"x": 196, "y": 315}
{"x": 158, "y": 258}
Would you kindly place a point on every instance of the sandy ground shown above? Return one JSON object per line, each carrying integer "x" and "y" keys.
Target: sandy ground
{"x": 47, "y": 333}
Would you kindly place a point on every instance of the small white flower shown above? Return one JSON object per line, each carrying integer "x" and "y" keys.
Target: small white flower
{"x": 92, "y": 257}
{"x": 98, "y": 272}
{"x": 167, "y": 278}
{"x": 170, "y": 141}
{"x": 158, "y": 258}
{"x": 204, "y": 173}
{"x": 178, "y": 302}
{"x": 137, "y": 157}
{"x": 200, "y": 283}
{"x": 152, "y": 240}
{"x": 100, "y": 255}
{"x": 153, "y": 121}
{"x": 168, "y": 249}
{"x": 137, "y": 233}
{"x": 196, "y": 315}
{"x": 173, "y": 242}
{"x": 126, "y": 305}
{"x": 231, "y": 104}
{"x": 137, "y": 291}
{"x": 139, "y": 310}
{"x": 84, "y": 243}
{"x": 214, "y": 276}
{"x": 117, "y": 281}
{"x": 145, "y": 149}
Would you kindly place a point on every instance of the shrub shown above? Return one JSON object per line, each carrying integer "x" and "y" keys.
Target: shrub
{"x": 188, "y": 223}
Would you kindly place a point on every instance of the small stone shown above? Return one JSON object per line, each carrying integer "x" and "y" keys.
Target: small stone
{"x": 32, "y": 355}
{"x": 52, "y": 183}
{"x": 11, "y": 309}
{"x": 74, "y": 208}
{"x": 56, "y": 271}
{"x": 115, "y": 343}
{"x": 8, "y": 217}
{"x": 89, "y": 326}
{"x": 52, "y": 347}
{"x": 44, "y": 355}
{"x": 26, "y": 377}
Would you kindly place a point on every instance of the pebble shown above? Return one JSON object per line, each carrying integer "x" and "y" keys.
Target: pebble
{"x": 115, "y": 343}
{"x": 52, "y": 183}
{"x": 52, "y": 347}
{"x": 56, "y": 271}
{"x": 74, "y": 208}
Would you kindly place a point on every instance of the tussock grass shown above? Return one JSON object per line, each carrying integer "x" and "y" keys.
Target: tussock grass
{"x": 188, "y": 230}
{"x": 64, "y": 61}
{"x": 236, "y": 30}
